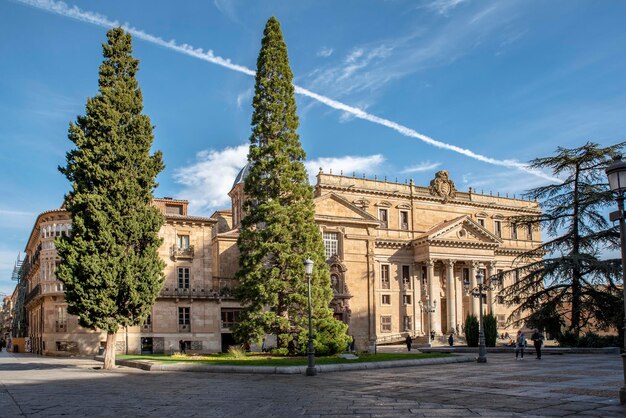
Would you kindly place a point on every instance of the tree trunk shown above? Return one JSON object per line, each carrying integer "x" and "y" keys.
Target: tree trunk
{"x": 109, "y": 353}
{"x": 576, "y": 271}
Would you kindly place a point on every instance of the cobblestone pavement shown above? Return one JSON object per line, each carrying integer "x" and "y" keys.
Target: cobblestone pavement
{"x": 565, "y": 385}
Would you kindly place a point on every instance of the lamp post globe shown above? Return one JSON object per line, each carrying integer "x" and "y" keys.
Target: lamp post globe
{"x": 310, "y": 370}
{"x": 616, "y": 173}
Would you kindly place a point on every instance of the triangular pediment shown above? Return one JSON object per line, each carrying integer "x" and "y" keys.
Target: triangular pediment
{"x": 332, "y": 206}
{"x": 460, "y": 231}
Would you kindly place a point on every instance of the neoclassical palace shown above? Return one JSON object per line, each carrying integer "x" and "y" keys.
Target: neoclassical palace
{"x": 399, "y": 255}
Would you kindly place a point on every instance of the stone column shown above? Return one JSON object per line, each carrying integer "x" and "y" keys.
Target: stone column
{"x": 417, "y": 286}
{"x": 491, "y": 295}
{"x": 473, "y": 283}
{"x": 433, "y": 294}
{"x": 450, "y": 296}
{"x": 460, "y": 316}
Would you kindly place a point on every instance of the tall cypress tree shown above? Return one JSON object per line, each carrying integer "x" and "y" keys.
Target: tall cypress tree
{"x": 109, "y": 263}
{"x": 574, "y": 283}
{"x": 278, "y": 231}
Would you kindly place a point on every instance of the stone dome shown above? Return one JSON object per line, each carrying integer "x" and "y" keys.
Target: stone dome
{"x": 241, "y": 177}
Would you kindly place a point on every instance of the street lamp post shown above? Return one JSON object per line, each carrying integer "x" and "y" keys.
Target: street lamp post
{"x": 310, "y": 370}
{"x": 477, "y": 292}
{"x": 616, "y": 173}
{"x": 428, "y": 308}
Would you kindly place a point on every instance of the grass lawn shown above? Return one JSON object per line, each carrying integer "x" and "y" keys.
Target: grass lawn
{"x": 264, "y": 359}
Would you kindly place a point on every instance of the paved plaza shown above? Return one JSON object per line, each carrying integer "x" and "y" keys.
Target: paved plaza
{"x": 557, "y": 385}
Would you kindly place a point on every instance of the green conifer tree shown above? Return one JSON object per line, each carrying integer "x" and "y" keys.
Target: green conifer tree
{"x": 567, "y": 278}
{"x": 278, "y": 231}
{"x": 109, "y": 263}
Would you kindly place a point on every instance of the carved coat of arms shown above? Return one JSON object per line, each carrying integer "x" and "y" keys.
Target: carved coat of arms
{"x": 442, "y": 186}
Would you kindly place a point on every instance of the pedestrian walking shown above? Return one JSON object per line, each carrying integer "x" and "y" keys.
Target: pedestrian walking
{"x": 520, "y": 344}
{"x": 451, "y": 339}
{"x": 537, "y": 339}
{"x": 409, "y": 342}
{"x": 181, "y": 345}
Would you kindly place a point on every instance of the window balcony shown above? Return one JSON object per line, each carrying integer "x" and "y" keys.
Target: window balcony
{"x": 180, "y": 253}
{"x": 184, "y": 327}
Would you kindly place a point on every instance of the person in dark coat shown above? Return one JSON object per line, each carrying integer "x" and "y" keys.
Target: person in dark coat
{"x": 451, "y": 339}
{"x": 537, "y": 339}
{"x": 181, "y": 345}
{"x": 409, "y": 342}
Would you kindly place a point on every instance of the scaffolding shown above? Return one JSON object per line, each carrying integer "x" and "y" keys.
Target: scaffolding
{"x": 19, "y": 324}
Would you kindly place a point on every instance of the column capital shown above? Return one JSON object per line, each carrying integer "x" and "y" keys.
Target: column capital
{"x": 475, "y": 264}
{"x": 450, "y": 262}
{"x": 429, "y": 262}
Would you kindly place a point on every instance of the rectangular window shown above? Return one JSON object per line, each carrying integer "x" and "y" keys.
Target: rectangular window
{"x": 466, "y": 278}
{"x": 386, "y": 299}
{"x": 331, "y": 244}
{"x": 183, "y": 242}
{"x": 385, "y": 324}
{"x": 183, "y": 277}
{"x": 230, "y": 317}
{"x": 404, "y": 220}
{"x": 497, "y": 226}
{"x": 424, "y": 276}
{"x": 173, "y": 209}
{"x": 481, "y": 222}
{"x": 406, "y": 277}
{"x": 406, "y": 300}
{"x": 500, "y": 273}
{"x": 529, "y": 232}
{"x": 517, "y": 276}
{"x": 183, "y": 316}
{"x": 408, "y": 323}
{"x": 513, "y": 231}
{"x": 501, "y": 321}
{"x": 61, "y": 322}
{"x": 384, "y": 276}
{"x": 383, "y": 217}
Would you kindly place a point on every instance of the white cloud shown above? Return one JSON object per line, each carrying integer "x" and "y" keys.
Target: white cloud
{"x": 463, "y": 34}
{"x": 244, "y": 97}
{"x": 349, "y": 164}
{"x": 208, "y": 180}
{"x": 503, "y": 181}
{"x": 444, "y": 6}
{"x": 425, "y": 166}
{"x": 325, "y": 52}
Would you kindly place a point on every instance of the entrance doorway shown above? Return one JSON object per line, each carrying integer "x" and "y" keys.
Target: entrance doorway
{"x": 146, "y": 345}
{"x": 227, "y": 341}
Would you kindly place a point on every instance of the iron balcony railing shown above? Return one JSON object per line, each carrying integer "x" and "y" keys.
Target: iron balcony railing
{"x": 181, "y": 253}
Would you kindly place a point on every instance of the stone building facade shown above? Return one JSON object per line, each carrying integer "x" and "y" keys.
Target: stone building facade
{"x": 400, "y": 254}
{"x": 188, "y": 308}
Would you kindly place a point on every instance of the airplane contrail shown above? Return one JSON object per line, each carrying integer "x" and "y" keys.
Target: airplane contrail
{"x": 74, "y": 12}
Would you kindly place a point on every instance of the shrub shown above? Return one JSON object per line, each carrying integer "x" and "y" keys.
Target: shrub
{"x": 471, "y": 331}
{"x": 237, "y": 351}
{"x": 491, "y": 330}
{"x": 567, "y": 339}
{"x": 283, "y": 351}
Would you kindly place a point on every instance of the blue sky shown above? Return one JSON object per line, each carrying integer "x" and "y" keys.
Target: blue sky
{"x": 503, "y": 81}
